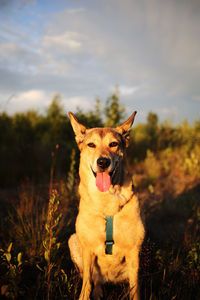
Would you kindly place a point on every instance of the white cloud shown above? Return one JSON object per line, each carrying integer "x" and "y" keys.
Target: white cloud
{"x": 81, "y": 102}
{"x": 40, "y": 100}
{"x": 32, "y": 99}
{"x": 64, "y": 42}
{"x": 128, "y": 90}
{"x": 37, "y": 99}
{"x": 59, "y": 51}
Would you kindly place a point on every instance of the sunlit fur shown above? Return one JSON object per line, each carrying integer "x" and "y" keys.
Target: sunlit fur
{"x": 87, "y": 245}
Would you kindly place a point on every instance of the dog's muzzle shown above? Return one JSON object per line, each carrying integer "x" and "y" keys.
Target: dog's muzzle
{"x": 102, "y": 174}
{"x": 103, "y": 163}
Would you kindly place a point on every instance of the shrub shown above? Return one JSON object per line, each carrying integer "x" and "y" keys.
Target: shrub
{"x": 152, "y": 167}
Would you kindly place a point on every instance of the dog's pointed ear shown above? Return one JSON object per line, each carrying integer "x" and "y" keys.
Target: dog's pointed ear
{"x": 78, "y": 128}
{"x": 125, "y": 128}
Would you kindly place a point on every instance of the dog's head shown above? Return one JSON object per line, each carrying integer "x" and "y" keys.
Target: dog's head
{"x": 102, "y": 150}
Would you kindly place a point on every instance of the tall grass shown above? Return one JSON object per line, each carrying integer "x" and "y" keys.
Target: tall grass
{"x": 39, "y": 229}
{"x": 50, "y": 243}
{"x": 27, "y": 218}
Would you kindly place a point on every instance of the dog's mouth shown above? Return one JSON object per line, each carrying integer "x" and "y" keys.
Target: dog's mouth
{"x": 103, "y": 180}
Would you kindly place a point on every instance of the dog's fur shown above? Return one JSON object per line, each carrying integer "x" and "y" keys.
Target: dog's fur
{"x": 87, "y": 245}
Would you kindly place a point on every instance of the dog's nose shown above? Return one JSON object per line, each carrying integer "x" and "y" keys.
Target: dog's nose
{"x": 103, "y": 162}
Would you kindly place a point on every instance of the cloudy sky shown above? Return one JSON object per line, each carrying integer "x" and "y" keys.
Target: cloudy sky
{"x": 82, "y": 49}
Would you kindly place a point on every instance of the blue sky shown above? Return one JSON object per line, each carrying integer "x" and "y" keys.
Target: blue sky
{"x": 83, "y": 49}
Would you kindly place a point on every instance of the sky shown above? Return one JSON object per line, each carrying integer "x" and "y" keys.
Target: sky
{"x": 83, "y": 49}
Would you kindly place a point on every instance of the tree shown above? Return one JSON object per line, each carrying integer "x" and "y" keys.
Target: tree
{"x": 114, "y": 110}
{"x": 92, "y": 118}
{"x": 152, "y": 123}
{"x": 152, "y": 129}
{"x": 55, "y": 110}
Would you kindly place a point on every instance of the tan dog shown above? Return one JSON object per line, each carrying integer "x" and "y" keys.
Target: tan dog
{"x": 106, "y": 190}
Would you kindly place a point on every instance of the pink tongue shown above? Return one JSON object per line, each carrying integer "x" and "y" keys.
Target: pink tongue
{"x": 103, "y": 181}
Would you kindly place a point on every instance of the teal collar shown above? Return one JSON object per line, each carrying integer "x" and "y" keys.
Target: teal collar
{"x": 109, "y": 235}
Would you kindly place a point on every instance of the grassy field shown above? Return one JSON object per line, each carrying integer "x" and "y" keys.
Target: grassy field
{"x": 39, "y": 203}
{"x": 37, "y": 220}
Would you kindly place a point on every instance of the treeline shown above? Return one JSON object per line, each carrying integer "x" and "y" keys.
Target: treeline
{"x": 156, "y": 136}
{"x": 30, "y": 143}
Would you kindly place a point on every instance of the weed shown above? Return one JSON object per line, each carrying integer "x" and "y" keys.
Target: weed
{"x": 52, "y": 169}
{"x": 192, "y": 163}
{"x": 194, "y": 258}
{"x": 70, "y": 175}
{"x": 51, "y": 246}
{"x": 27, "y": 220}
{"x": 12, "y": 273}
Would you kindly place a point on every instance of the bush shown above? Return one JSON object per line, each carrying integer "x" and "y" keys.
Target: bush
{"x": 152, "y": 168}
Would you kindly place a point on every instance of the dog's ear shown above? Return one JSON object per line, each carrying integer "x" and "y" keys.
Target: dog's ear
{"x": 78, "y": 128}
{"x": 125, "y": 128}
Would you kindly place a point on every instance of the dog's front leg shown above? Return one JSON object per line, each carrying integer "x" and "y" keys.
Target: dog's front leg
{"x": 88, "y": 263}
{"x": 97, "y": 279}
{"x": 133, "y": 266}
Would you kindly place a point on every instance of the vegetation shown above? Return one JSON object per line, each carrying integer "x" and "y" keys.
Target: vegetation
{"x": 39, "y": 202}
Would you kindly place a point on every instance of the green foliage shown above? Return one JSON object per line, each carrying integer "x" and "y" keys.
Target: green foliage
{"x": 27, "y": 141}
{"x": 166, "y": 160}
{"x": 12, "y": 272}
{"x": 55, "y": 110}
{"x": 34, "y": 138}
{"x": 90, "y": 119}
{"x": 114, "y": 111}
{"x": 152, "y": 168}
{"x": 191, "y": 163}
{"x": 193, "y": 257}
{"x": 152, "y": 124}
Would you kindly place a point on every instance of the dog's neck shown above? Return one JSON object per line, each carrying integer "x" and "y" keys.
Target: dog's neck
{"x": 118, "y": 175}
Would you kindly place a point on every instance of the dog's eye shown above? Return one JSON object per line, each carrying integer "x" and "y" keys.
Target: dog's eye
{"x": 91, "y": 145}
{"x": 113, "y": 144}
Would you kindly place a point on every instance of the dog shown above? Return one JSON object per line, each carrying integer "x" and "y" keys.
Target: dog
{"x": 109, "y": 228}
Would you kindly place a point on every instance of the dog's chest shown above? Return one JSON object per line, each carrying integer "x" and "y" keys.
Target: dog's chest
{"x": 91, "y": 229}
